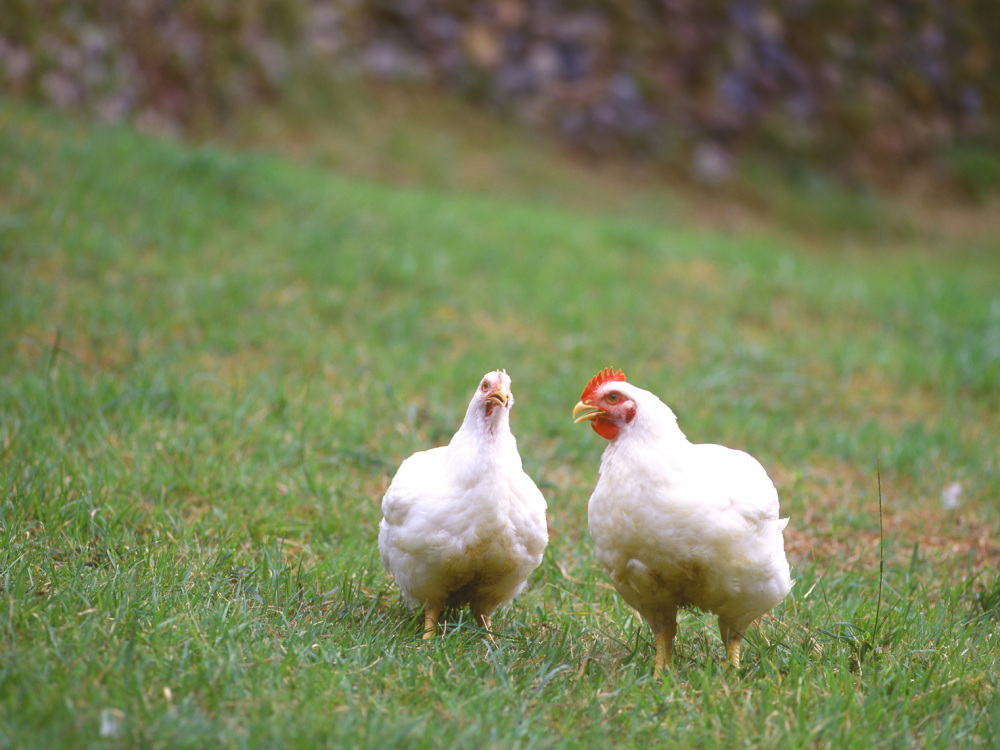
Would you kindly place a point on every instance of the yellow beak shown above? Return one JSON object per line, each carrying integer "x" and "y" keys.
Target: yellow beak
{"x": 500, "y": 396}
{"x": 592, "y": 412}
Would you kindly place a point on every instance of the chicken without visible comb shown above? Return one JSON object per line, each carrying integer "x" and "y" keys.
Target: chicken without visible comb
{"x": 677, "y": 524}
{"x": 463, "y": 524}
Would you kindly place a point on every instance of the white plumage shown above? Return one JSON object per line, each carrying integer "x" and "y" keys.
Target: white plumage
{"x": 462, "y": 523}
{"x": 678, "y": 524}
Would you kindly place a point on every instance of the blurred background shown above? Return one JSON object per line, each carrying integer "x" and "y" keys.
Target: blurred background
{"x": 901, "y": 96}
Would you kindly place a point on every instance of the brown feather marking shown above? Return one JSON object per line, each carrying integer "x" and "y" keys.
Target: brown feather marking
{"x": 685, "y": 585}
{"x": 478, "y": 570}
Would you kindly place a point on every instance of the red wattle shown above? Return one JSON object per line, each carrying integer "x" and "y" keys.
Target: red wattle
{"x": 605, "y": 428}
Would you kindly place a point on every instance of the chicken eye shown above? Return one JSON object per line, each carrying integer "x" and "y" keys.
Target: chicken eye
{"x": 486, "y": 386}
{"x": 613, "y": 398}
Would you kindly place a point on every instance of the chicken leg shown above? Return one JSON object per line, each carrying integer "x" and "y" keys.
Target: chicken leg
{"x": 431, "y": 615}
{"x": 664, "y": 647}
{"x": 732, "y": 639}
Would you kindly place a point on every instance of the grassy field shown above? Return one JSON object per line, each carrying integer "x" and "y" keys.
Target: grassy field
{"x": 212, "y": 362}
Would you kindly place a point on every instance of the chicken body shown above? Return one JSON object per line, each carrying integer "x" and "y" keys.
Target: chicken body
{"x": 463, "y": 524}
{"x": 677, "y": 524}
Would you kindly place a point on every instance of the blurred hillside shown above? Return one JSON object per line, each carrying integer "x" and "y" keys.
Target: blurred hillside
{"x": 867, "y": 92}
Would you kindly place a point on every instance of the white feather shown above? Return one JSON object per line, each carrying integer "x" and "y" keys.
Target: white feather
{"x": 680, "y": 524}
{"x": 462, "y": 523}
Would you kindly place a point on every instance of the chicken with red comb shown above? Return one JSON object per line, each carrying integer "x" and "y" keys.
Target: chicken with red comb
{"x": 678, "y": 524}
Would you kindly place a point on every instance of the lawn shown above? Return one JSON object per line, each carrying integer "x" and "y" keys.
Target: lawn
{"x": 212, "y": 361}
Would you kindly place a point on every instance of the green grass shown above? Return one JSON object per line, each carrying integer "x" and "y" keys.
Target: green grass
{"x": 211, "y": 364}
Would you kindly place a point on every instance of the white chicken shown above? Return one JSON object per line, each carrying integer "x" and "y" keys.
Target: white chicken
{"x": 677, "y": 524}
{"x": 462, "y": 523}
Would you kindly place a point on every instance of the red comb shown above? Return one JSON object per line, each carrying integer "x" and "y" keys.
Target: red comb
{"x": 604, "y": 376}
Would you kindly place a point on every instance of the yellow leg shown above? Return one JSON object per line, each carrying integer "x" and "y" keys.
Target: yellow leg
{"x": 732, "y": 639}
{"x": 733, "y": 653}
{"x": 664, "y": 646}
{"x": 431, "y": 615}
